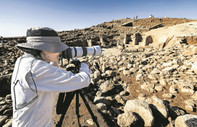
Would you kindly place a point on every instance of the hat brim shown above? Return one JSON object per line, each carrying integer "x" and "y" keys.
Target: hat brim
{"x": 49, "y": 47}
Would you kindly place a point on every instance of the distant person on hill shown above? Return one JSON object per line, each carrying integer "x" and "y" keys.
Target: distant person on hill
{"x": 36, "y": 79}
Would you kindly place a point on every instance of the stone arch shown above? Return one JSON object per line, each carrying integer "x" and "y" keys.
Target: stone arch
{"x": 149, "y": 40}
{"x": 138, "y": 38}
{"x": 127, "y": 39}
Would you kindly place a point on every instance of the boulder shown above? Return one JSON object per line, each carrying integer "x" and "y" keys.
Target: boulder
{"x": 194, "y": 67}
{"x": 106, "y": 86}
{"x": 187, "y": 88}
{"x": 195, "y": 96}
{"x": 190, "y": 104}
{"x": 96, "y": 75}
{"x": 173, "y": 89}
{"x": 129, "y": 119}
{"x": 101, "y": 106}
{"x": 8, "y": 124}
{"x": 161, "y": 105}
{"x": 119, "y": 99}
{"x": 2, "y": 119}
{"x": 187, "y": 120}
{"x": 142, "y": 108}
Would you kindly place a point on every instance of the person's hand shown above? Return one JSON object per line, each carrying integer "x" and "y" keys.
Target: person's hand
{"x": 84, "y": 67}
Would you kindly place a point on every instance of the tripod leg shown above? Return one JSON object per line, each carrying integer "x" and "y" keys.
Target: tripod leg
{"x": 60, "y": 106}
{"x": 66, "y": 104}
{"x": 89, "y": 109}
{"x": 77, "y": 108}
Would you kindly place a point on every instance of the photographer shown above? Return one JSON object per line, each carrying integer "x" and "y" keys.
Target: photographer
{"x": 37, "y": 80}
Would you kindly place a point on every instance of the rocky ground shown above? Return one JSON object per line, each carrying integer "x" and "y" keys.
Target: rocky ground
{"x": 145, "y": 80}
{"x": 131, "y": 86}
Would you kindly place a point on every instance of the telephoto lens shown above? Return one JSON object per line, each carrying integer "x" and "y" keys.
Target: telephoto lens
{"x": 76, "y": 52}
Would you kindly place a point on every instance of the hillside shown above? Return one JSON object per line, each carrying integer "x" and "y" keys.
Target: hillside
{"x": 146, "y": 75}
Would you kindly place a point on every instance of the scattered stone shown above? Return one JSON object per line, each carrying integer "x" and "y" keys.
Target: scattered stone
{"x": 194, "y": 96}
{"x": 8, "y": 98}
{"x": 187, "y": 120}
{"x": 142, "y": 108}
{"x": 190, "y": 105}
{"x": 161, "y": 105}
{"x": 106, "y": 86}
{"x": 3, "y": 108}
{"x": 142, "y": 97}
{"x": 90, "y": 121}
{"x": 187, "y": 88}
{"x": 159, "y": 88}
{"x": 164, "y": 70}
{"x": 129, "y": 119}
{"x": 168, "y": 95}
{"x": 163, "y": 82}
{"x": 176, "y": 111}
{"x": 101, "y": 106}
{"x": 8, "y": 124}
{"x": 2, "y": 119}
{"x": 119, "y": 99}
{"x": 173, "y": 89}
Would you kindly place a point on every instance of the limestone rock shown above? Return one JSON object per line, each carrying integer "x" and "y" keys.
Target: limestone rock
{"x": 129, "y": 119}
{"x": 168, "y": 95}
{"x": 176, "y": 111}
{"x": 138, "y": 77}
{"x": 173, "y": 89}
{"x": 195, "y": 96}
{"x": 126, "y": 72}
{"x": 8, "y": 98}
{"x": 90, "y": 121}
{"x": 119, "y": 99}
{"x": 106, "y": 86}
{"x": 161, "y": 105}
{"x": 163, "y": 82}
{"x": 110, "y": 73}
{"x": 103, "y": 100}
{"x": 190, "y": 104}
{"x": 187, "y": 120}
{"x": 96, "y": 75}
{"x": 187, "y": 88}
{"x": 194, "y": 67}
{"x": 101, "y": 106}
{"x": 159, "y": 88}
{"x": 8, "y": 124}
{"x": 142, "y": 108}
{"x": 2, "y": 119}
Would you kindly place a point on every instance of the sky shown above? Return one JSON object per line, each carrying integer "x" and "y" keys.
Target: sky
{"x": 16, "y": 16}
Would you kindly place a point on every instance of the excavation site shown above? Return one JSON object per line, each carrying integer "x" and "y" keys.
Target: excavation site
{"x": 146, "y": 75}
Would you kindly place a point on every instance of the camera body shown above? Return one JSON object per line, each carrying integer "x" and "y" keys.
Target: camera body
{"x": 77, "y": 65}
{"x": 77, "y": 52}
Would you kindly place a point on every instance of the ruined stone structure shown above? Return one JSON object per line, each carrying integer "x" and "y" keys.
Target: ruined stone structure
{"x": 138, "y": 38}
{"x": 149, "y": 40}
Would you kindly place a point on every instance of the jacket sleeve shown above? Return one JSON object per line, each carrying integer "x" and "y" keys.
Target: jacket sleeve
{"x": 47, "y": 77}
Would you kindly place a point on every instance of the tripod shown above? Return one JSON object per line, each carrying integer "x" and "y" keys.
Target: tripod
{"x": 65, "y": 100}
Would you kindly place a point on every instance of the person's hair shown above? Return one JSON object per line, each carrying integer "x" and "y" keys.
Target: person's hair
{"x": 34, "y": 52}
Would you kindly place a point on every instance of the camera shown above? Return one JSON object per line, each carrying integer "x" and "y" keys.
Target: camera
{"x": 76, "y": 52}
